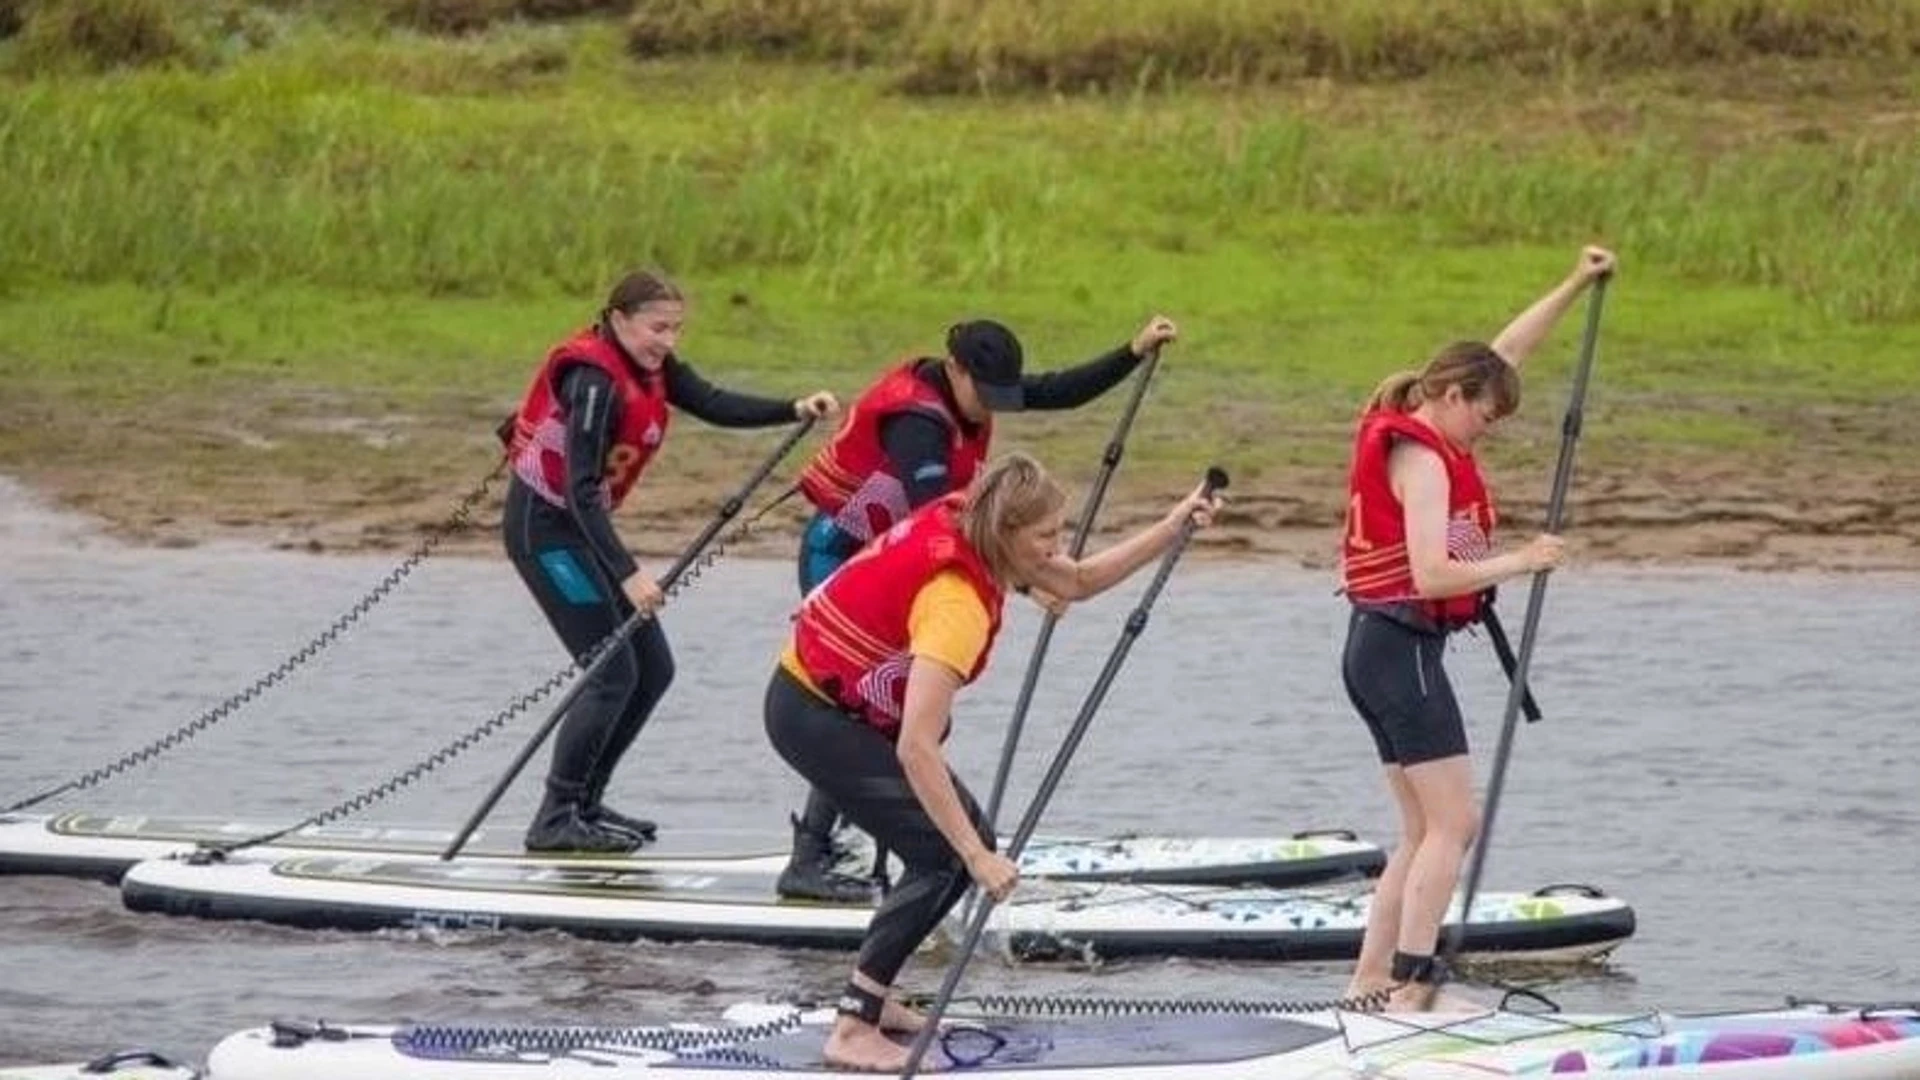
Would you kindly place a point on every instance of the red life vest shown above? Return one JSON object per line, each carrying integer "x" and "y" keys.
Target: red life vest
{"x": 538, "y": 445}
{"x": 851, "y": 636}
{"x": 1373, "y": 559}
{"x": 851, "y": 477}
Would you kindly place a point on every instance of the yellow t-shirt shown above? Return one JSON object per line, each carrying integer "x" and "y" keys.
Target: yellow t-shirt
{"x": 947, "y": 623}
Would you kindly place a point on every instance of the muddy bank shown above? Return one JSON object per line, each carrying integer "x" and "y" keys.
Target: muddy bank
{"x": 1708, "y": 512}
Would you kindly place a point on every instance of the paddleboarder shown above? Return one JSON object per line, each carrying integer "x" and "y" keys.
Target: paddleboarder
{"x": 1418, "y": 563}
{"x": 919, "y": 433}
{"x": 593, "y": 418}
{"x": 860, "y": 703}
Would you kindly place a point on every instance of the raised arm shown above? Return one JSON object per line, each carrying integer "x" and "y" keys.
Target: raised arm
{"x": 1071, "y": 579}
{"x": 1528, "y": 329}
{"x": 1075, "y": 386}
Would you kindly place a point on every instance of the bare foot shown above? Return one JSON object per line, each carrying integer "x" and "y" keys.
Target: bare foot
{"x": 1446, "y": 1001}
{"x": 1367, "y": 995}
{"x": 896, "y": 1016}
{"x": 857, "y": 1045}
{"x": 1428, "y": 997}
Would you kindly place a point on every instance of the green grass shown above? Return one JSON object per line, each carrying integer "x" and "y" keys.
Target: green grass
{"x": 538, "y": 160}
{"x": 974, "y": 46}
{"x": 246, "y": 264}
{"x": 1278, "y": 346}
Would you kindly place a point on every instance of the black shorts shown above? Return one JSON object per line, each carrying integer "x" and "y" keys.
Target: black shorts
{"x": 1396, "y": 679}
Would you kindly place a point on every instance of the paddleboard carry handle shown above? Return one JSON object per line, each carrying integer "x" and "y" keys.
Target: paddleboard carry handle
{"x": 113, "y": 1062}
{"x": 288, "y": 1034}
{"x": 1571, "y": 888}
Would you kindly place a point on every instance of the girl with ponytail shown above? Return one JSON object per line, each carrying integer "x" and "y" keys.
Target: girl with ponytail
{"x": 1418, "y": 562}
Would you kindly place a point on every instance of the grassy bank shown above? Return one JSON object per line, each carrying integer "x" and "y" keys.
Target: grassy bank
{"x": 542, "y": 159}
{"x": 987, "y": 46}
{"x": 311, "y": 271}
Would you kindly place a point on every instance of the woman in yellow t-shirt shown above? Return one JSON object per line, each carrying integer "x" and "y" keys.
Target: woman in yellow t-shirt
{"x": 860, "y": 703}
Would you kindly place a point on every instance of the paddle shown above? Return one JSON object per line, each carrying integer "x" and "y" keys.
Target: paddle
{"x": 1530, "y": 625}
{"x": 602, "y": 652}
{"x": 1083, "y": 527}
{"x": 1136, "y": 622}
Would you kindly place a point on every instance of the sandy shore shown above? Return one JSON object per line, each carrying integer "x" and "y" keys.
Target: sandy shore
{"x": 1706, "y": 513}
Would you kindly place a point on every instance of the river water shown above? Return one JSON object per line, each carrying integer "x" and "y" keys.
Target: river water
{"x": 1734, "y": 754}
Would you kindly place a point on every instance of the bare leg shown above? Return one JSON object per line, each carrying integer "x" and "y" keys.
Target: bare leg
{"x": 1443, "y": 791}
{"x": 1374, "y": 970}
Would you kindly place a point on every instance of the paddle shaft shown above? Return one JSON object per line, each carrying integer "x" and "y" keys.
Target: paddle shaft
{"x": 603, "y": 652}
{"x": 976, "y": 926}
{"x": 1109, "y": 462}
{"x": 1530, "y": 624}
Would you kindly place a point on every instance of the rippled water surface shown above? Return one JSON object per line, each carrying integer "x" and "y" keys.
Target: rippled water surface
{"x": 1736, "y": 755}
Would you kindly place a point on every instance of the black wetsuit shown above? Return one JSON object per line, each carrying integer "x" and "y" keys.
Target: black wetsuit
{"x": 917, "y": 446}
{"x": 859, "y": 769}
{"x": 573, "y": 562}
{"x": 1397, "y": 678}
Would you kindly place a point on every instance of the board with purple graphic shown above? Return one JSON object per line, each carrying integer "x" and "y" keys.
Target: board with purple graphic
{"x": 1062, "y": 1039}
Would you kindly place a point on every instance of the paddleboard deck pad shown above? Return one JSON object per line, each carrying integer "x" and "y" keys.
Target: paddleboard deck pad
{"x": 104, "y": 846}
{"x": 1044, "y": 919}
{"x": 1804, "y": 1043}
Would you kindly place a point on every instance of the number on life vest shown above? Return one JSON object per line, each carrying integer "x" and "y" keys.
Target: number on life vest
{"x": 1354, "y": 536}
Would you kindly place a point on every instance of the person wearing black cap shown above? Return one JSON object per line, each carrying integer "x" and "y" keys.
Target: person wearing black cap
{"x": 919, "y": 433}
{"x": 594, "y": 415}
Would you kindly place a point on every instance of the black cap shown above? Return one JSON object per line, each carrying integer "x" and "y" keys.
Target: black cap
{"x": 991, "y": 356}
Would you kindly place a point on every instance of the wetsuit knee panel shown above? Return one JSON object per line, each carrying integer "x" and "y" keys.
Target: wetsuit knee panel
{"x": 569, "y": 577}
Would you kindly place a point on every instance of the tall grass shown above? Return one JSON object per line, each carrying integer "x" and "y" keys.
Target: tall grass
{"x": 403, "y": 165}
{"x": 101, "y": 34}
{"x": 946, "y": 46}
{"x": 276, "y": 173}
{"x": 471, "y": 16}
